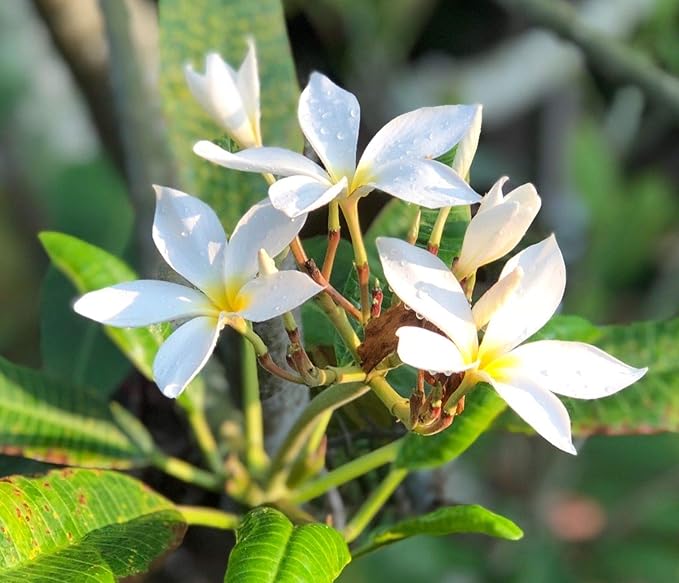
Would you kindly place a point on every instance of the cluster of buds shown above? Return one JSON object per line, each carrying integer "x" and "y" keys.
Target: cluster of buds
{"x": 456, "y": 342}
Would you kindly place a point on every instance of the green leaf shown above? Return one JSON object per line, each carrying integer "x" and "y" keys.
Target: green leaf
{"x": 650, "y": 405}
{"x": 50, "y": 421}
{"x": 441, "y": 522}
{"x": 269, "y": 549}
{"x": 483, "y": 405}
{"x": 89, "y": 201}
{"x": 189, "y": 29}
{"x": 74, "y": 347}
{"x": 90, "y": 268}
{"x": 82, "y": 526}
{"x": 453, "y": 233}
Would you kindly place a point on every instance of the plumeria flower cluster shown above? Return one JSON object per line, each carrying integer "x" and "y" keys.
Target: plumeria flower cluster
{"x": 484, "y": 342}
{"x": 236, "y": 281}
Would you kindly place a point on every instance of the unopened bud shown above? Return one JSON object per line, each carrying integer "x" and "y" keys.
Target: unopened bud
{"x": 267, "y": 266}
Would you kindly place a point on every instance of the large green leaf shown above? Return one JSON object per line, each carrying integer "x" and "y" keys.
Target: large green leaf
{"x": 269, "y": 549}
{"x": 47, "y": 420}
{"x": 483, "y": 405}
{"x": 189, "y": 29}
{"x": 82, "y": 526}
{"x": 649, "y": 406}
{"x": 89, "y": 268}
{"x": 90, "y": 202}
{"x": 444, "y": 521}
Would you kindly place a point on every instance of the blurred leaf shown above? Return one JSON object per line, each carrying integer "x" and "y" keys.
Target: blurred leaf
{"x": 269, "y": 549}
{"x": 73, "y": 347}
{"x": 650, "y": 405}
{"x": 441, "y": 522}
{"x": 47, "y": 420}
{"x": 617, "y": 256}
{"x": 483, "y": 405}
{"x": 88, "y": 201}
{"x": 90, "y": 268}
{"x": 189, "y": 29}
{"x": 82, "y": 526}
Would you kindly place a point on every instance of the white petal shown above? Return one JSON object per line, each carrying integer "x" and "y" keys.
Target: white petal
{"x": 496, "y": 231}
{"x": 297, "y": 195}
{"x": 428, "y": 132}
{"x": 222, "y": 98}
{"x": 247, "y": 81}
{"x": 574, "y": 369}
{"x": 184, "y": 354}
{"x": 426, "y": 285}
{"x": 466, "y": 149}
{"x": 533, "y": 302}
{"x": 329, "y": 117}
{"x": 143, "y": 302}
{"x": 429, "y": 351}
{"x": 495, "y": 297}
{"x": 278, "y": 161}
{"x": 189, "y": 236}
{"x": 424, "y": 182}
{"x": 275, "y": 294}
{"x": 494, "y": 196}
{"x": 198, "y": 86}
{"x": 541, "y": 410}
{"x": 262, "y": 227}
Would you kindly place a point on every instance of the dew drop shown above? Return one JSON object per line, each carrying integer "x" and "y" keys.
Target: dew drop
{"x": 341, "y": 135}
{"x": 324, "y": 131}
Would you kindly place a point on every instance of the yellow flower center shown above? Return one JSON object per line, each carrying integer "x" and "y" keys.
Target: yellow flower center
{"x": 498, "y": 368}
{"x": 230, "y": 297}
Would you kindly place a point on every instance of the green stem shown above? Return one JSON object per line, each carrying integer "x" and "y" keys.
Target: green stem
{"x": 205, "y": 440}
{"x": 186, "y": 472}
{"x": 347, "y": 472}
{"x": 252, "y": 409}
{"x": 398, "y": 406}
{"x": 339, "y": 319}
{"x": 328, "y": 400}
{"x": 350, "y": 211}
{"x": 613, "y": 58}
{"x": 437, "y": 230}
{"x": 373, "y": 504}
{"x": 467, "y": 384}
{"x": 201, "y": 516}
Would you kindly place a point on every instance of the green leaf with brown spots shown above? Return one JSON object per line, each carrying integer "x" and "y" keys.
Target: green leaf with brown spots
{"x": 82, "y": 526}
{"x": 270, "y": 549}
{"x": 189, "y": 29}
{"x": 47, "y": 420}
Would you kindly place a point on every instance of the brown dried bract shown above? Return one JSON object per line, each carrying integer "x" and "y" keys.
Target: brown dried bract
{"x": 380, "y": 335}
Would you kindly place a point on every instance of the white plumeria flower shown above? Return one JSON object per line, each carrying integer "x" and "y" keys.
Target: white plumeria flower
{"x": 398, "y": 160}
{"x": 231, "y": 97}
{"x": 525, "y": 376}
{"x": 191, "y": 240}
{"x": 497, "y": 227}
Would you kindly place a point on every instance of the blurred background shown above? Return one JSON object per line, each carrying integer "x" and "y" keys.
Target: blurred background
{"x": 602, "y": 149}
